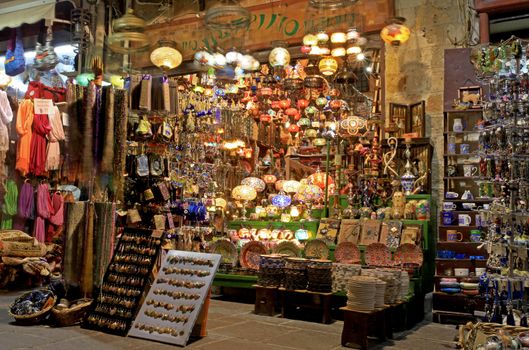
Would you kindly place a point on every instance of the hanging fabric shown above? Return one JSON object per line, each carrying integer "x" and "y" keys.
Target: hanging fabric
{"x": 37, "y": 158}
{"x": 44, "y": 210}
{"x": 24, "y": 129}
{"x": 53, "y": 151}
{"x": 56, "y": 220}
{"x": 74, "y": 242}
{"x": 9, "y": 208}
{"x": 107, "y": 160}
{"x": 26, "y": 202}
{"x": 87, "y": 159}
{"x": 6, "y": 116}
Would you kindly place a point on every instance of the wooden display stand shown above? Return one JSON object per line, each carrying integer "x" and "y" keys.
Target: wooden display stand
{"x": 358, "y": 325}
{"x": 265, "y": 300}
{"x": 303, "y": 299}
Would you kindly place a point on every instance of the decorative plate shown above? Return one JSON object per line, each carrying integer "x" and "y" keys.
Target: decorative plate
{"x": 226, "y": 249}
{"x": 287, "y": 248}
{"x": 408, "y": 253}
{"x": 316, "y": 248}
{"x": 378, "y": 254}
{"x": 251, "y": 254}
{"x": 347, "y": 253}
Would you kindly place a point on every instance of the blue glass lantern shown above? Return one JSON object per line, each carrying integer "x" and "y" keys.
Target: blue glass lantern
{"x": 281, "y": 200}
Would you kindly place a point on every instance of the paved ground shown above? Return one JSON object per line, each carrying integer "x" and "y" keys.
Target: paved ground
{"x": 231, "y": 326}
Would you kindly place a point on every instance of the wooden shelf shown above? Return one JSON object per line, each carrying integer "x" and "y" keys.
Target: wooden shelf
{"x": 473, "y": 178}
{"x": 475, "y": 200}
{"x": 451, "y": 242}
{"x": 459, "y": 260}
{"x": 457, "y": 227}
{"x": 468, "y": 110}
{"x": 464, "y": 132}
{"x": 471, "y": 155}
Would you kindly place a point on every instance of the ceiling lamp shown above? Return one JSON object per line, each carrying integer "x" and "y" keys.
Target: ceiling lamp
{"x": 353, "y": 34}
{"x": 166, "y": 56}
{"x": 254, "y": 182}
{"x": 338, "y": 52}
{"x": 233, "y": 57}
{"x": 328, "y": 65}
{"x": 244, "y": 192}
{"x": 279, "y": 57}
{"x": 395, "y": 33}
{"x": 227, "y": 15}
{"x": 354, "y": 50}
{"x": 128, "y": 34}
{"x": 310, "y": 40}
{"x": 281, "y": 200}
{"x": 338, "y": 38}
{"x": 322, "y": 37}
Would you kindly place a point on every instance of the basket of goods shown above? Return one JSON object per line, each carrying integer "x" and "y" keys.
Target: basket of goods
{"x": 32, "y": 307}
{"x": 70, "y": 313}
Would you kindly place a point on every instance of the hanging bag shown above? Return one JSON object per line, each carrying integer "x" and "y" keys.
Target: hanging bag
{"x": 14, "y": 61}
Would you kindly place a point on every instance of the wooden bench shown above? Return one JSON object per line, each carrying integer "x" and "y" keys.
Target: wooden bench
{"x": 359, "y": 325}
{"x": 303, "y": 299}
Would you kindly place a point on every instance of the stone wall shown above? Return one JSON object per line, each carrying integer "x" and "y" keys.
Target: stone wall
{"x": 414, "y": 71}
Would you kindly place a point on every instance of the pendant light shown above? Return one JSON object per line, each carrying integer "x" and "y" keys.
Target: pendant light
{"x": 279, "y": 56}
{"x": 128, "y": 30}
{"x": 328, "y": 65}
{"x": 166, "y": 56}
{"x": 395, "y": 32}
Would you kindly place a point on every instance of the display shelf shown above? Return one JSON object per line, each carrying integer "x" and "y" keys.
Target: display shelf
{"x": 458, "y": 227}
{"x": 470, "y": 155}
{"x": 465, "y": 132}
{"x": 475, "y": 200}
{"x": 456, "y": 260}
{"x": 468, "y": 110}
{"x": 234, "y": 280}
{"x": 471, "y": 178}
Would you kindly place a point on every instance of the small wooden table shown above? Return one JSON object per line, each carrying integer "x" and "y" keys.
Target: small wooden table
{"x": 305, "y": 299}
{"x": 358, "y": 325}
{"x": 265, "y": 300}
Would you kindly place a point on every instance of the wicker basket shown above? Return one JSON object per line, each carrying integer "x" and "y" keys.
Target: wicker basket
{"x": 73, "y": 315}
{"x": 471, "y": 334}
{"x": 36, "y": 317}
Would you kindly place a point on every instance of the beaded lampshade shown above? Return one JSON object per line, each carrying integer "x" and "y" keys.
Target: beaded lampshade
{"x": 244, "y": 193}
{"x": 254, "y": 182}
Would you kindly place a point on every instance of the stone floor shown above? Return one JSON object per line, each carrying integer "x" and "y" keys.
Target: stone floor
{"x": 231, "y": 326}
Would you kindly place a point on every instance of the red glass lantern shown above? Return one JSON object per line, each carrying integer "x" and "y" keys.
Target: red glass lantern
{"x": 335, "y": 104}
{"x": 265, "y": 118}
{"x": 275, "y": 105}
{"x": 291, "y": 111}
{"x": 297, "y": 116}
{"x": 302, "y": 103}
{"x": 305, "y": 49}
{"x": 284, "y": 104}
{"x": 293, "y": 128}
{"x": 318, "y": 179}
{"x": 266, "y": 91}
{"x": 269, "y": 179}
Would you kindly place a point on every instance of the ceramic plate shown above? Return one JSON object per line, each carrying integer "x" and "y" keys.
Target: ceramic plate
{"x": 316, "y": 248}
{"x": 378, "y": 254}
{"x": 287, "y": 248}
{"x": 347, "y": 253}
{"x": 408, "y": 253}
{"x": 226, "y": 249}
{"x": 251, "y": 254}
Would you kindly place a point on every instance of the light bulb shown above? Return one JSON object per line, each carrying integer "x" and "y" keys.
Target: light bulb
{"x": 354, "y": 50}
{"x": 338, "y": 38}
{"x": 361, "y": 56}
{"x": 322, "y": 37}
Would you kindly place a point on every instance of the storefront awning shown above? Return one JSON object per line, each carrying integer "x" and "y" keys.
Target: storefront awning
{"x": 17, "y": 12}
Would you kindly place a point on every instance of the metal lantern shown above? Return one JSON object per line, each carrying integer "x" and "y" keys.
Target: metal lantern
{"x": 328, "y": 65}
{"x": 166, "y": 56}
{"x": 395, "y": 33}
{"x": 128, "y": 30}
{"x": 310, "y": 40}
{"x": 338, "y": 38}
{"x": 254, "y": 182}
{"x": 244, "y": 193}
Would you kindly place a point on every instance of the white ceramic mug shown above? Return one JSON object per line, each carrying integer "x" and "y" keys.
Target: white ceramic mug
{"x": 464, "y": 220}
{"x": 449, "y": 206}
{"x": 461, "y": 272}
{"x": 480, "y": 271}
{"x": 469, "y": 206}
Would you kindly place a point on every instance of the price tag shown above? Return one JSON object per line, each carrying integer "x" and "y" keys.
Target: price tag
{"x": 43, "y": 106}
{"x": 157, "y": 233}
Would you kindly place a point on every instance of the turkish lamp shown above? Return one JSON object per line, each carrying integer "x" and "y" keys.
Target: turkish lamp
{"x": 395, "y": 32}
{"x": 322, "y": 37}
{"x": 219, "y": 59}
{"x": 279, "y": 57}
{"x": 328, "y": 66}
{"x": 315, "y": 51}
{"x": 233, "y": 57}
{"x": 338, "y": 52}
{"x": 294, "y": 212}
{"x": 352, "y": 34}
{"x": 254, "y": 182}
{"x": 291, "y": 186}
{"x": 325, "y": 51}
{"x": 354, "y": 50}
{"x": 338, "y": 38}
{"x": 166, "y": 56}
{"x": 244, "y": 193}
{"x": 310, "y": 40}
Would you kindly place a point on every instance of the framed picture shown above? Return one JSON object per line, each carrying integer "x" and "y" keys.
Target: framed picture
{"x": 416, "y": 121}
{"x": 398, "y": 115}
{"x": 470, "y": 96}
{"x": 411, "y": 233}
{"x": 328, "y": 229}
{"x": 394, "y": 233}
{"x": 370, "y": 232}
{"x": 350, "y": 230}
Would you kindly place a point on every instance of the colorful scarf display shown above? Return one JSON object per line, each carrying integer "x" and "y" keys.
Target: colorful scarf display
{"x": 26, "y": 202}
{"x": 44, "y": 210}
{"x": 9, "y": 208}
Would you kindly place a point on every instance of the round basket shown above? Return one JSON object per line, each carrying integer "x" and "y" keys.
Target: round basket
{"x": 36, "y": 317}
{"x": 73, "y": 315}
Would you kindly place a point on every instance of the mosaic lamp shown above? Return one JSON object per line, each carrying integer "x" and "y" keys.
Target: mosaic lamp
{"x": 166, "y": 56}
{"x": 279, "y": 57}
{"x": 254, "y": 182}
{"x": 328, "y": 65}
{"x": 395, "y": 32}
{"x": 281, "y": 200}
{"x": 244, "y": 193}
{"x": 291, "y": 186}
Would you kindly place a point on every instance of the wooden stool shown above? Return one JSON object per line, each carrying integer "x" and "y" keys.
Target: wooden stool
{"x": 265, "y": 300}
{"x": 304, "y": 299}
{"x": 358, "y": 325}
{"x": 398, "y": 316}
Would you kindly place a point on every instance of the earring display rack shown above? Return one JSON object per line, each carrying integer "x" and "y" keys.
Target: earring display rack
{"x": 124, "y": 282}
{"x": 176, "y": 297}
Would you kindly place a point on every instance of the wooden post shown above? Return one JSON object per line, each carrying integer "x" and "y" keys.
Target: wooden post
{"x": 484, "y": 29}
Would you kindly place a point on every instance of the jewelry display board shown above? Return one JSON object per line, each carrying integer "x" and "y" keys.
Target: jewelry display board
{"x": 173, "y": 304}
{"x": 124, "y": 282}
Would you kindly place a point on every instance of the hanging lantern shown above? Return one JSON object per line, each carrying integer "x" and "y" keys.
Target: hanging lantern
{"x": 311, "y": 133}
{"x": 281, "y": 200}
{"x": 219, "y": 59}
{"x": 309, "y": 193}
{"x": 244, "y": 193}
{"x": 395, "y": 33}
{"x": 265, "y": 118}
{"x": 322, "y": 37}
{"x": 338, "y": 52}
{"x": 166, "y": 56}
{"x": 338, "y": 38}
{"x": 319, "y": 142}
{"x": 128, "y": 36}
{"x": 84, "y": 79}
{"x": 233, "y": 57}
{"x": 293, "y": 129}
{"x": 302, "y": 103}
{"x": 310, "y": 40}
{"x": 279, "y": 57}
{"x": 353, "y": 34}
{"x": 254, "y": 182}
{"x": 328, "y": 66}
{"x": 269, "y": 179}
{"x": 315, "y": 50}
{"x": 306, "y": 49}
{"x": 304, "y": 122}
{"x": 294, "y": 212}
{"x": 321, "y": 101}
{"x": 318, "y": 179}
{"x": 279, "y": 185}
{"x": 284, "y": 104}
{"x": 354, "y": 49}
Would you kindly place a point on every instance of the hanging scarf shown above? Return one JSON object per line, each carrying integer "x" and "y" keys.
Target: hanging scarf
{"x": 26, "y": 202}
{"x": 9, "y": 209}
{"x": 44, "y": 210}
{"x": 57, "y": 202}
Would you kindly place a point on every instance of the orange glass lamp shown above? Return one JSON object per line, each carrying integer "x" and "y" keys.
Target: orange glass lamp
{"x": 166, "y": 56}
{"x": 318, "y": 179}
{"x": 244, "y": 193}
{"x": 395, "y": 32}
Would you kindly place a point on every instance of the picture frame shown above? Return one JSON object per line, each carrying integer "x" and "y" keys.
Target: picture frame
{"x": 350, "y": 230}
{"x": 471, "y": 96}
{"x": 417, "y": 119}
{"x": 370, "y": 232}
{"x": 411, "y": 233}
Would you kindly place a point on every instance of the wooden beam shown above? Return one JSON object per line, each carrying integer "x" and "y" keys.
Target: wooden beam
{"x": 484, "y": 28}
{"x": 492, "y": 6}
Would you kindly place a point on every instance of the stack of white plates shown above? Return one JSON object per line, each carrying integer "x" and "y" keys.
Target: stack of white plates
{"x": 391, "y": 277}
{"x": 404, "y": 284}
{"x": 341, "y": 274}
{"x": 361, "y": 293}
{"x": 380, "y": 294}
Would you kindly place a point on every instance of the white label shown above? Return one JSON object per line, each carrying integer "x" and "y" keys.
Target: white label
{"x": 43, "y": 106}
{"x": 65, "y": 119}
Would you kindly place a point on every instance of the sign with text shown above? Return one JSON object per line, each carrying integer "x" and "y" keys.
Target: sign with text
{"x": 43, "y": 106}
{"x": 269, "y": 22}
